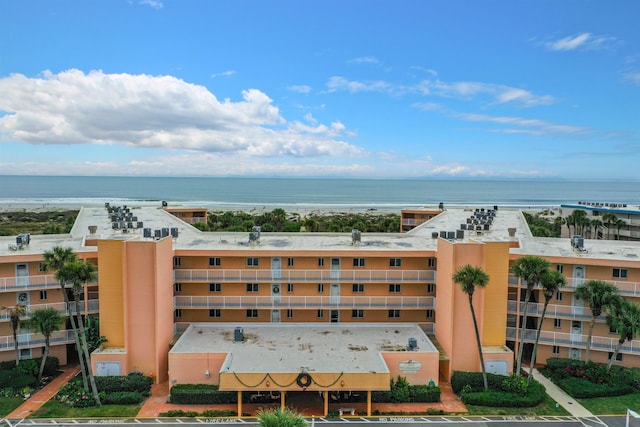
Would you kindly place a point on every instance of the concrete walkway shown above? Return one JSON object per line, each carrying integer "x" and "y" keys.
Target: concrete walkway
{"x": 566, "y": 401}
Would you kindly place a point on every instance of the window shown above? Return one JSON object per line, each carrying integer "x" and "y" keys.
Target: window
{"x": 395, "y": 262}
{"x": 215, "y": 313}
{"x": 25, "y": 353}
{"x": 252, "y": 261}
{"x": 618, "y": 356}
{"x": 555, "y": 349}
{"x": 215, "y": 287}
{"x": 394, "y": 288}
{"x": 620, "y": 273}
{"x": 252, "y": 287}
{"x": 43, "y": 295}
{"x": 358, "y": 288}
{"x": 178, "y": 313}
{"x": 290, "y": 287}
{"x": 431, "y": 288}
{"x": 558, "y": 296}
{"x": 394, "y": 314}
{"x": 357, "y": 314}
{"x": 215, "y": 261}
{"x": 431, "y": 262}
{"x": 320, "y": 262}
{"x": 358, "y": 262}
{"x": 557, "y": 323}
{"x": 177, "y": 261}
{"x": 320, "y": 314}
{"x": 320, "y": 288}
{"x": 289, "y": 262}
{"x": 429, "y": 314}
{"x": 177, "y": 287}
{"x": 252, "y": 313}
{"x": 613, "y": 330}
{"x": 560, "y": 268}
{"x": 289, "y": 314}
{"x": 42, "y": 267}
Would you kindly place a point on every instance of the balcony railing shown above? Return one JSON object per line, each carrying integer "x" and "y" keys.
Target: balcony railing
{"x": 625, "y": 288}
{"x": 36, "y": 340}
{"x": 302, "y": 302}
{"x": 298, "y": 276}
{"x": 89, "y": 306}
{"x": 45, "y": 281}
{"x": 554, "y": 311}
{"x": 577, "y": 340}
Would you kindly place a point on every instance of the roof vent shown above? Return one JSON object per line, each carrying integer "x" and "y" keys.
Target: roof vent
{"x": 356, "y": 237}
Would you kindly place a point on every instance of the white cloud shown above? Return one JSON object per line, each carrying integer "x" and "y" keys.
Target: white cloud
{"x": 152, "y": 3}
{"x": 227, "y": 73}
{"x": 300, "y": 89}
{"x": 634, "y": 78}
{"x": 522, "y": 125}
{"x": 365, "y": 60}
{"x": 580, "y": 41}
{"x": 337, "y": 83}
{"x": 155, "y": 111}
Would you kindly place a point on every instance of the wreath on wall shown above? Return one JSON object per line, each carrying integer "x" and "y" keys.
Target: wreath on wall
{"x": 304, "y": 380}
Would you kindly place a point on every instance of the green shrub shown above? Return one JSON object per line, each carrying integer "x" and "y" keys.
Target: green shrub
{"x": 15, "y": 379}
{"x": 192, "y": 394}
{"x": 424, "y": 394}
{"x": 28, "y": 367}
{"x": 498, "y": 398}
{"x": 218, "y": 413}
{"x": 461, "y": 378}
{"x": 515, "y": 385}
{"x": 121, "y": 398}
{"x": 581, "y": 388}
{"x": 131, "y": 383}
{"x": 178, "y": 413}
{"x": 400, "y": 390}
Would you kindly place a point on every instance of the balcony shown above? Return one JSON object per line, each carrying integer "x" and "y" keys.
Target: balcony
{"x": 36, "y": 340}
{"x": 554, "y": 311}
{"x": 564, "y": 339}
{"x": 304, "y": 302}
{"x": 625, "y": 288}
{"x": 90, "y": 306}
{"x": 45, "y": 281}
{"x": 305, "y": 276}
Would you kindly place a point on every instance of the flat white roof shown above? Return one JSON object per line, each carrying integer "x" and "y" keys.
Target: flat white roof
{"x": 312, "y": 347}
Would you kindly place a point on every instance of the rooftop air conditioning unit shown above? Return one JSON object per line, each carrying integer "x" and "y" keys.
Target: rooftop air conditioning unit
{"x": 413, "y": 344}
{"x": 356, "y": 237}
{"x": 146, "y": 232}
{"x": 174, "y": 232}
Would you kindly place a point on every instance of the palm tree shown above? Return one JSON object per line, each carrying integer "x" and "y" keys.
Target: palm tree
{"x": 579, "y": 221}
{"x": 619, "y": 223}
{"x": 280, "y": 418}
{"x": 15, "y": 314}
{"x": 45, "y": 321}
{"x": 528, "y": 269}
{"x": 625, "y": 318}
{"x": 596, "y": 224}
{"x": 468, "y": 277}
{"x": 599, "y": 295}
{"x": 551, "y": 282}
{"x": 79, "y": 273}
{"x": 56, "y": 260}
{"x": 609, "y": 218}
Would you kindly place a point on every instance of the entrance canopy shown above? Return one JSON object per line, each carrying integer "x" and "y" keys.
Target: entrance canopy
{"x": 314, "y": 356}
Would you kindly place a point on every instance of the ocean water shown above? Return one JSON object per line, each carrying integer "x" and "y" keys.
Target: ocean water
{"x": 309, "y": 193}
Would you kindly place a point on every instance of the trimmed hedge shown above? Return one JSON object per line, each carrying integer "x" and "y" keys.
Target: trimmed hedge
{"x": 16, "y": 380}
{"x": 497, "y": 398}
{"x": 132, "y": 383}
{"x": 582, "y": 389}
{"x": 199, "y": 394}
{"x": 424, "y": 394}
{"x": 121, "y": 398}
{"x": 51, "y": 366}
{"x": 459, "y": 379}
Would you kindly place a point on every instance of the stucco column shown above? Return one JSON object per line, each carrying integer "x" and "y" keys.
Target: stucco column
{"x": 325, "y": 394}
{"x": 239, "y": 403}
{"x": 283, "y": 395}
{"x": 368, "y": 403}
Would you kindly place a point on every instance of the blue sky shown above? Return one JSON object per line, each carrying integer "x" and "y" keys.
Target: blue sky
{"x": 331, "y": 88}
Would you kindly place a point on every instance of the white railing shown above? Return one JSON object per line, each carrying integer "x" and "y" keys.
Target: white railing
{"x": 554, "y": 310}
{"x": 45, "y": 281}
{"x": 302, "y": 302}
{"x": 90, "y": 306}
{"x": 297, "y": 276}
{"x": 409, "y": 221}
{"x": 564, "y": 339}
{"x": 36, "y": 340}
{"x": 625, "y": 288}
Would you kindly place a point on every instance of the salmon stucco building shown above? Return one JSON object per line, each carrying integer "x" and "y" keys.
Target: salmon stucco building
{"x": 327, "y": 312}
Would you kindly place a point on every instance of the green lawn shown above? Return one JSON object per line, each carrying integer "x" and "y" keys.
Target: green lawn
{"x": 8, "y": 404}
{"x": 611, "y": 405}
{"x": 547, "y": 407}
{"x": 54, "y": 409}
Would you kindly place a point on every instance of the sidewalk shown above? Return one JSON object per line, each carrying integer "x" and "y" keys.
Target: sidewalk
{"x": 45, "y": 394}
{"x": 566, "y": 401}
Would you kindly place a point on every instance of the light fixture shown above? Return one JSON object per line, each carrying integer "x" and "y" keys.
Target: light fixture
{"x": 207, "y": 373}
